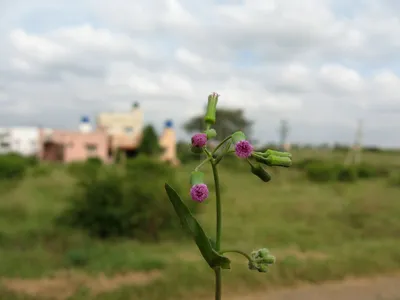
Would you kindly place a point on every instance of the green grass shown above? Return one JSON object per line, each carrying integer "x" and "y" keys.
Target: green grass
{"x": 317, "y": 232}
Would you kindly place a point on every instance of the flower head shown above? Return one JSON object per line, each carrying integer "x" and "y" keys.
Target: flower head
{"x": 199, "y": 140}
{"x": 261, "y": 259}
{"x": 243, "y": 149}
{"x": 199, "y": 192}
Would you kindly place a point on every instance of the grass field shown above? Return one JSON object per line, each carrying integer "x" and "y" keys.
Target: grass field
{"x": 317, "y": 232}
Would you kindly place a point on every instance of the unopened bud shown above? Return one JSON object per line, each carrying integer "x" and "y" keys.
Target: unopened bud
{"x": 278, "y": 161}
{"x": 276, "y": 153}
{"x": 211, "y": 112}
{"x": 260, "y": 172}
{"x": 211, "y": 133}
{"x": 238, "y": 136}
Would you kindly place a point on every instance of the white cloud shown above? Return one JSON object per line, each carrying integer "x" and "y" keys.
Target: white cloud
{"x": 320, "y": 63}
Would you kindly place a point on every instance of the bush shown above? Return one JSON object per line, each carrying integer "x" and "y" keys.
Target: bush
{"x": 12, "y": 167}
{"x": 84, "y": 171}
{"x": 94, "y": 161}
{"x": 322, "y": 171}
{"x": 394, "y": 179}
{"x": 131, "y": 204}
{"x": 347, "y": 174}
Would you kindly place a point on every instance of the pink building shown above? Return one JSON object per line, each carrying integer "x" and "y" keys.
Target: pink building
{"x": 68, "y": 146}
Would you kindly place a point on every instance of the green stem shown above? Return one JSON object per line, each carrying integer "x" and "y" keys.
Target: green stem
{"x": 218, "y": 284}
{"x": 218, "y": 277}
{"x": 238, "y": 252}
{"x": 220, "y": 144}
{"x": 202, "y": 163}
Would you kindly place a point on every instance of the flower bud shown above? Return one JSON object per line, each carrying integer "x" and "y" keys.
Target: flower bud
{"x": 261, "y": 259}
{"x": 260, "y": 172}
{"x": 276, "y": 153}
{"x": 238, "y": 136}
{"x": 211, "y": 133}
{"x": 211, "y": 112}
{"x": 196, "y": 177}
{"x": 278, "y": 161}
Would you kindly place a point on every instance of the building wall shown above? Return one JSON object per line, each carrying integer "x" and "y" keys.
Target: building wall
{"x": 77, "y": 146}
{"x": 125, "y": 128}
{"x": 23, "y": 140}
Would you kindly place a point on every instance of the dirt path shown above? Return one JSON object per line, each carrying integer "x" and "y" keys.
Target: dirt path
{"x": 379, "y": 288}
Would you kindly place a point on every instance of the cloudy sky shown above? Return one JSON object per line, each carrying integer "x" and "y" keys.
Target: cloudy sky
{"x": 321, "y": 64}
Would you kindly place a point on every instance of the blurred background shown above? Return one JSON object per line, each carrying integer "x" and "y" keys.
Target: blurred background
{"x": 98, "y": 101}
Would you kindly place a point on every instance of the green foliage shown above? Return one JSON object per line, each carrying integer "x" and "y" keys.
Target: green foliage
{"x": 347, "y": 174}
{"x": 192, "y": 226}
{"x": 322, "y": 171}
{"x": 129, "y": 203}
{"x": 185, "y": 155}
{"x": 394, "y": 179}
{"x": 149, "y": 143}
{"x": 94, "y": 161}
{"x": 13, "y": 166}
{"x": 85, "y": 170}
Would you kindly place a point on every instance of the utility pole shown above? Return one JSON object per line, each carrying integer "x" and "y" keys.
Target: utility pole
{"x": 354, "y": 154}
{"x": 283, "y": 134}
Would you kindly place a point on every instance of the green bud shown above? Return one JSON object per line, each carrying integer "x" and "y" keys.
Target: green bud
{"x": 278, "y": 161}
{"x": 260, "y": 172}
{"x": 196, "y": 150}
{"x": 238, "y": 136}
{"x": 261, "y": 259}
{"x": 211, "y": 133}
{"x": 211, "y": 112}
{"x": 196, "y": 177}
{"x": 262, "y": 268}
{"x": 276, "y": 153}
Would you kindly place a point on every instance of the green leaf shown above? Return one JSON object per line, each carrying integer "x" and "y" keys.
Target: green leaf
{"x": 190, "y": 224}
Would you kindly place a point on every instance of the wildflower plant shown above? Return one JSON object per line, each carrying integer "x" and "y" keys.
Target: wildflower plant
{"x": 236, "y": 143}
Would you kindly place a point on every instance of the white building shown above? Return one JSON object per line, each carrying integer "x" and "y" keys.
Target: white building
{"x": 22, "y": 140}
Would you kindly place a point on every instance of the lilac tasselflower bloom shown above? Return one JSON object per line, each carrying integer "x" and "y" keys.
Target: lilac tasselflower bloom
{"x": 199, "y": 140}
{"x": 199, "y": 192}
{"x": 244, "y": 149}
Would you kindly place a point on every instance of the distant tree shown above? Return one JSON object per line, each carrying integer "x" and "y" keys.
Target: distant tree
{"x": 228, "y": 121}
{"x": 149, "y": 143}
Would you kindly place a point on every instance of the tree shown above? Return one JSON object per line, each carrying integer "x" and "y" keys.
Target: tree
{"x": 228, "y": 121}
{"x": 149, "y": 143}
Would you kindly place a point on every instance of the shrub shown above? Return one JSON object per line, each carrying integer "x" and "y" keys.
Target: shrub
{"x": 125, "y": 204}
{"x": 394, "y": 179}
{"x": 303, "y": 164}
{"x": 84, "y": 170}
{"x": 322, "y": 171}
{"x": 347, "y": 174}
{"x": 94, "y": 161}
{"x": 185, "y": 155}
{"x": 12, "y": 167}
{"x": 365, "y": 171}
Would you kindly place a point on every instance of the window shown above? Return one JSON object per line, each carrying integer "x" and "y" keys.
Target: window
{"x": 128, "y": 129}
{"x": 91, "y": 148}
{"x": 4, "y": 145}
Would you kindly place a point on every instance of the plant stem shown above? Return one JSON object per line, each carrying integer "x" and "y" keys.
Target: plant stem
{"x": 218, "y": 277}
{"x": 220, "y": 144}
{"x": 218, "y": 283}
{"x": 238, "y": 252}
{"x": 202, "y": 163}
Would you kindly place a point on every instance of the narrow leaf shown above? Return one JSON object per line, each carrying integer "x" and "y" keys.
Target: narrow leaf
{"x": 191, "y": 225}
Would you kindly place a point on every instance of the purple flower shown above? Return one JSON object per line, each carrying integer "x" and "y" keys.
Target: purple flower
{"x": 199, "y": 140}
{"x": 199, "y": 192}
{"x": 243, "y": 149}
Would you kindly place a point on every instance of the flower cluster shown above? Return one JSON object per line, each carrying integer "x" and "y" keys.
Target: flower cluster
{"x": 238, "y": 144}
{"x": 260, "y": 260}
